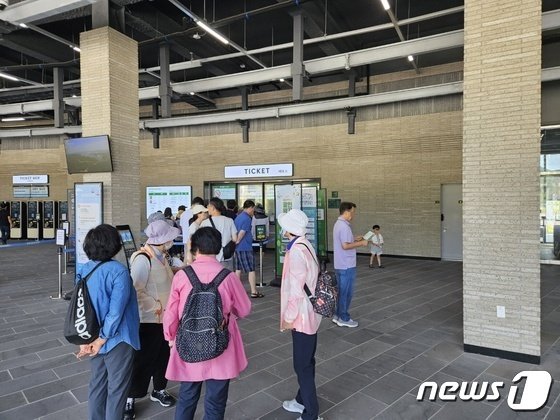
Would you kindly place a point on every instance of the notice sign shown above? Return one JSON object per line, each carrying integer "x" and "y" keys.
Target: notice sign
{"x": 30, "y": 179}
{"x": 89, "y": 214}
{"x": 173, "y": 196}
{"x": 259, "y": 171}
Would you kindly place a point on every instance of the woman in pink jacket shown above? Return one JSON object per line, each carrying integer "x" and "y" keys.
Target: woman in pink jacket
{"x": 206, "y": 243}
{"x": 296, "y": 312}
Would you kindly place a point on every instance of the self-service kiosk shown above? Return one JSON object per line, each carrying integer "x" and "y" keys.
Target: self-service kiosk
{"x": 34, "y": 220}
{"x": 62, "y": 213}
{"x": 50, "y": 219}
{"x": 18, "y": 213}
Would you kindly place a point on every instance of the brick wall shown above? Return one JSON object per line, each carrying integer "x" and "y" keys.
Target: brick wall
{"x": 501, "y": 174}
{"x": 109, "y": 80}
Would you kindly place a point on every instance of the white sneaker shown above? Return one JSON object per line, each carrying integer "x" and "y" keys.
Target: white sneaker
{"x": 293, "y": 406}
{"x": 335, "y": 319}
{"x": 350, "y": 323}
{"x": 318, "y": 418}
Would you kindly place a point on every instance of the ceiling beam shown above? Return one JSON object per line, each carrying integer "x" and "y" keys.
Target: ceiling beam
{"x": 33, "y": 10}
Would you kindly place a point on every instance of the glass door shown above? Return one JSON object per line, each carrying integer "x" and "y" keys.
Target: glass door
{"x": 250, "y": 192}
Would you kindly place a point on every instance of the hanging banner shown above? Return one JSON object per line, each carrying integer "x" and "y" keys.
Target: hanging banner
{"x": 322, "y": 243}
{"x": 88, "y": 197}
{"x": 309, "y": 207}
{"x": 259, "y": 171}
{"x": 286, "y": 197}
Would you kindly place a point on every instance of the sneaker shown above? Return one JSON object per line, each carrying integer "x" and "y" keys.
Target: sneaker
{"x": 162, "y": 397}
{"x": 129, "y": 413}
{"x": 293, "y": 406}
{"x": 350, "y": 323}
{"x": 318, "y": 418}
{"x": 335, "y": 319}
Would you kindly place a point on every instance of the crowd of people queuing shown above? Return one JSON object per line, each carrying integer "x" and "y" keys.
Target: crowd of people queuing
{"x": 141, "y": 311}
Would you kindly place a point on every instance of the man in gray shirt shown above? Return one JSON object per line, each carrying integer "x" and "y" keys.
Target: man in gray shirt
{"x": 345, "y": 244}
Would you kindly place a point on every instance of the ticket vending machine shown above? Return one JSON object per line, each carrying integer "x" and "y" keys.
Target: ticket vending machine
{"x": 50, "y": 219}
{"x": 34, "y": 219}
{"x": 62, "y": 213}
{"x": 18, "y": 213}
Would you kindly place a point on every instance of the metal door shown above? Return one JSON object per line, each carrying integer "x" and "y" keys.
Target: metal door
{"x": 452, "y": 222}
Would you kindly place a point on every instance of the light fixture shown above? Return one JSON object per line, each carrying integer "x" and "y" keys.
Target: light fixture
{"x": 281, "y": 80}
{"x": 214, "y": 33}
{"x": 7, "y": 76}
{"x": 13, "y": 119}
{"x": 191, "y": 93}
{"x": 385, "y": 4}
{"x": 196, "y": 36}
{"x": 77, "y": 49}
{"x": 74, "y": 96}
{"x": 23, "y": 25}
{"x": 410, "y": 58}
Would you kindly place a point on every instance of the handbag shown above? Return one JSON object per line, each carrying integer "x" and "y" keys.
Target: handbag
{"x": 326, "y": 291}
{"x": 229, "y": 249}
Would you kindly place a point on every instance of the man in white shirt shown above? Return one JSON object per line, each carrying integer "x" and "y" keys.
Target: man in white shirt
{"x": 186, "y": 217}
{"x": 225, "y": 226}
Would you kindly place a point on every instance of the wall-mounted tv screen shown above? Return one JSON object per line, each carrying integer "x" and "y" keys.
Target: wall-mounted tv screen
{"x": 88, "y": 154}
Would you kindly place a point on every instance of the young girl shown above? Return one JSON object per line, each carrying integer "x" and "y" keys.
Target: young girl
{"x": 376, "y": 247}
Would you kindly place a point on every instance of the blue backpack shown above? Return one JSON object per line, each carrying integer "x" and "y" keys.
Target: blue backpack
{"x": 203, "y": 331}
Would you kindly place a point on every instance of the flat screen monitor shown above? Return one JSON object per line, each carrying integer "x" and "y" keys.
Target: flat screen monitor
{"x": 88, "y": 154}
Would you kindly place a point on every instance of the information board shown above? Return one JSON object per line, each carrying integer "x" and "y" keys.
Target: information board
{"x": 173, "y": 196}
{"x": 224, "y": 191}
{"x": 309, "y": 207}
{"x": 88, "y": 200}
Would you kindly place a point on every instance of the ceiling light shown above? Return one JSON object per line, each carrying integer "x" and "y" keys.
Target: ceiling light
{"x": 74, "y": 96}
{"x": 75, "y": 48}
{"x": 191, "y": 93}
{"x": 196, "y": 35}
{"x": 7, "y": 76}
{"x": 385, "y": 4}
{"x": 12, "y": 119}
{"x": 410, "y": 58}
{"x": 214, "y": 33}
{"x": 282, "y": 80}
{"x": 242, "y": 65}
{"x": 23, "y": 25}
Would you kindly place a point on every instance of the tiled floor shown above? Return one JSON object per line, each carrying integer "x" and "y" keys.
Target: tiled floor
{"x": 410, "y": 331}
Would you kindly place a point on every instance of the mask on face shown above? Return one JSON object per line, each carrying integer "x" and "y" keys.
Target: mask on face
{"x": 168, "y": 245}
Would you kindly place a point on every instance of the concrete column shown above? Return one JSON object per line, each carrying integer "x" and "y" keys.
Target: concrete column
{"x": 109, "y": 79}
{"x": 165, "y": 81}
{"x": 58, "y": 96}
{"x": 501, "y": 126}
{"x": 298, "y": 69}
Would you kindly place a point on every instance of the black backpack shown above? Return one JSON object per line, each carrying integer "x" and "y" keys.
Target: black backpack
{"x": 81, "y": 325}
{"x": 203, "y": 331}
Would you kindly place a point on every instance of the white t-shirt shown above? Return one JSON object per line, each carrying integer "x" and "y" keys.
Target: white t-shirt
{"x": 226, "y": 227}
{"x": 184, "y": 222}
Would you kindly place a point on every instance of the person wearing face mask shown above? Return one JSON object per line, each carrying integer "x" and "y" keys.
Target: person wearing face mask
{"x": 152, "y": 277}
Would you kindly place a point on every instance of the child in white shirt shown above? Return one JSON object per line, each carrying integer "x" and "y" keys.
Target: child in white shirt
{"x": 376, "y": 246}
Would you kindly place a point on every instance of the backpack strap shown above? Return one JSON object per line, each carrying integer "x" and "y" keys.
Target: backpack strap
{"x": 85, "y": 279}
{"x": 305, "y": 288}
{"x": 212, "y": 222}
{"x": 144, "y": 253}
{"x": 193, "y": 278}
{"x": 220, "y": 277}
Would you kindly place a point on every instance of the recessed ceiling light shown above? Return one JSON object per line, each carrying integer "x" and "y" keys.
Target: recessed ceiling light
{"x": 282, "y": 80}
{"x": 410, "y": 58}
{"x": 196, "y": 35}
{"x": 191, "y": 93}
{"x": 242, "y": 65}
{"x": 74, "y": 96}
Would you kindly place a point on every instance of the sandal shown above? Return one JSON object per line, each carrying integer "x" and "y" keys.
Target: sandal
{"x": 257, "y": 295}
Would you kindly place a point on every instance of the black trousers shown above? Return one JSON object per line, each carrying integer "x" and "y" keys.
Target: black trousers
{"x": 150, "y": 361}
{"x": 304, "y": 347}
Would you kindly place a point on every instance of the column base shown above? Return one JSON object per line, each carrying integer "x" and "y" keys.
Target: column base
{"x": 503, "y": 354}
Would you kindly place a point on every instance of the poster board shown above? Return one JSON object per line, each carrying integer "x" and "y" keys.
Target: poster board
{"x": 286, "y": 197}
{"x": 173, "y": 196}
{"x": 88, "y": 203}
{"x": 224, "y": 191}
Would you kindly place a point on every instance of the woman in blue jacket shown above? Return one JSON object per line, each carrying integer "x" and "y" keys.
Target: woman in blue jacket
{"x": 114, "y": 299}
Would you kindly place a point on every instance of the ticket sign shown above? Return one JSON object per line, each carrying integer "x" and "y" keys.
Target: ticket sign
{"x": 30, "y": 179}
{"x": 259, "y": 171}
